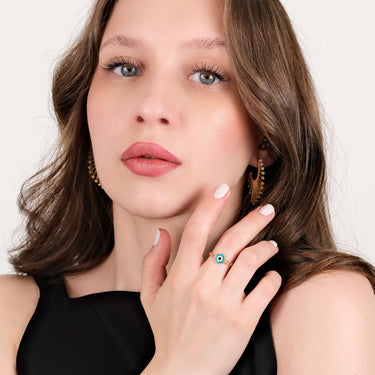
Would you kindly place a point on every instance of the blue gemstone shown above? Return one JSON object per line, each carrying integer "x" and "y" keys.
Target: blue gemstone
{"x": 219, "y": 258}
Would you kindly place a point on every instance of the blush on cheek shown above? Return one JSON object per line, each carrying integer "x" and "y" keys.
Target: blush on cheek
{"x": 234, "y": 134}
{"x": 99, "y": 112}
{"x": 99, "y": 102}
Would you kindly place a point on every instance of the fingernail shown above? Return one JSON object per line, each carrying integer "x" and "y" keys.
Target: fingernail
{"x": 157, "y": 238}
{"x": 221, "y": 191}
{"x": 267, "y": 210}
{"x": 273, "y": 243}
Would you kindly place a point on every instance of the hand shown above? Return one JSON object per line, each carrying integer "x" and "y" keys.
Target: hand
{"x": 200, "y": 316}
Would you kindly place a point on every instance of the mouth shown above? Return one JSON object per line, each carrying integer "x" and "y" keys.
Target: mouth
{"x": 148, "y": 150}
{"x": 149, "y": 159}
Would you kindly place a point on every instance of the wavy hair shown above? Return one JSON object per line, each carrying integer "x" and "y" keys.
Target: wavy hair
{"x": 69, "y": 225}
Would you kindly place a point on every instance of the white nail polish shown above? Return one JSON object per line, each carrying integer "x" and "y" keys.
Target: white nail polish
{"x": 273, "y": 243}
{"x": 221, "y": 191}
{"x": 157, "y": 238}
{"x": 267, "y": 210}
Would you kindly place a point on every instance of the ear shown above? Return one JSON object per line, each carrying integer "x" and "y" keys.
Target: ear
{"x": 264, "y": 151}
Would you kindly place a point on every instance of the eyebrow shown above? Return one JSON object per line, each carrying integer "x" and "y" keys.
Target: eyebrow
{"x": 122, "y": 40}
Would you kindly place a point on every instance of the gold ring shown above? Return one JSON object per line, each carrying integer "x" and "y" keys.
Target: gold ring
{"x": 220, "y": 258}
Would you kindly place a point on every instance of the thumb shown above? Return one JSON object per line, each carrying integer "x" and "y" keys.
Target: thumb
{"x": 154, "y": 263}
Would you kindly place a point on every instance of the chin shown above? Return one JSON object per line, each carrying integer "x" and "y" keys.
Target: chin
{"x": 156, "y": 205}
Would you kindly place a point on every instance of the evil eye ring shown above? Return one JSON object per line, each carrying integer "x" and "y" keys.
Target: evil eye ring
{"x": 220, "y": 258}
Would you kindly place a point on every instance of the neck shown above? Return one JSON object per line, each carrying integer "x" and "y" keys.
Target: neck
{"x": 134, "y": 237}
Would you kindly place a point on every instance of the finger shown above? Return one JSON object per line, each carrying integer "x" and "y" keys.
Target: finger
{"x": 258, "y": 299}
{"x": 154, "y": 272}
{"x": 236, "y": 238}
{"x": 197, "y": 229}
{"x": 244, "y": 267}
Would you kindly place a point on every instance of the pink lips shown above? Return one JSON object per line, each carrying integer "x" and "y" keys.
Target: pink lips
{"x": 149, "y": 159}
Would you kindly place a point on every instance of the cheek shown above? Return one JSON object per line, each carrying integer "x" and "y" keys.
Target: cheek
{"x": 96, "y": 111}
{"x": 224, "y": 144}
{"x": 234, "y": 133}
{"x": 105, "y": 112}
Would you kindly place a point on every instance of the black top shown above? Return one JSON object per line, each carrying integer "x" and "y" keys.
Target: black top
{"x": 108, "y": 334}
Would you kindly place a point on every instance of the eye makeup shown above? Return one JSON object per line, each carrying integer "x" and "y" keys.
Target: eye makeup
{"x": 134, "y": 68}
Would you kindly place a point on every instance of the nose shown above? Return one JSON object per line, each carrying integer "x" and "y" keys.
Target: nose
{"x": 157, "y": 104}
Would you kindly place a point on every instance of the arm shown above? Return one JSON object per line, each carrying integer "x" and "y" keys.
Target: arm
{"x": 326, "y": 326}
{"x": 19, "y": 296}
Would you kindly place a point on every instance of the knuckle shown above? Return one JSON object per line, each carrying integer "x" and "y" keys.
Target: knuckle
{"x": 256, "y": 221}
{"x": 250, "y": 258}
{"x": 176, "y": 283}
{"x": 228, "y": 239}
{"x": 199, "y": 295}
{"x": 195, "y": 232}
{"x": 241, "y": 323}
{"x": 222, "y": 307}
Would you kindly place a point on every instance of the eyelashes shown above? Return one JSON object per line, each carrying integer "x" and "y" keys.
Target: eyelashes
{"x": 209, "y": 69}
{"x": 129, "y": 68}
{"x": 119, "y": 62}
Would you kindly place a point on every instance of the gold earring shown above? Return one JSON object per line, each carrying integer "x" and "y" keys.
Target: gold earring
{"x": 256, "y": 185}
{"x": 264, "y": 145}
{"x": 92, "y": 168}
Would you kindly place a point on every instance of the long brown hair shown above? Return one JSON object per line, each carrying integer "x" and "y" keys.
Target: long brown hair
{"x": 69, "y": 219}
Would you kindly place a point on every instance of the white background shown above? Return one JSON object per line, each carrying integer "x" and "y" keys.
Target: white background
{"x": 338, "y": 39}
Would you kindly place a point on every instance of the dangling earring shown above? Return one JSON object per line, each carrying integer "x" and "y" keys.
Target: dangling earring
{"x": 92, "y": 169}
{"x": 256, "y": 185}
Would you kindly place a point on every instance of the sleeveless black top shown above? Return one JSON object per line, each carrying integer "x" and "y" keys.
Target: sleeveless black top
{"x": 108, "y": 334}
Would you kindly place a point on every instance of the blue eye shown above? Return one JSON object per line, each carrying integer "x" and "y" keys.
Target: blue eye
{"x": 205, "y": 78}
{"x": 207, "y": 75}
{"x": 122, "y": 67}
{"x": 126, "y": 70}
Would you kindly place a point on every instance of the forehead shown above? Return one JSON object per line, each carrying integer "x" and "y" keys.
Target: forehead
{"x": 167, "y": 21}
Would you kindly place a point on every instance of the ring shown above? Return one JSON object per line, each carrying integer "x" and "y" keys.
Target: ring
{"x": 220, "y": 258}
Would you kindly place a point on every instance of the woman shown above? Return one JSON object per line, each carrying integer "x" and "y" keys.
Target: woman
{"x": 201, "y": 135}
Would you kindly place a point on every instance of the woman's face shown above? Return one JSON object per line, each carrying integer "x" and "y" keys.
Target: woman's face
{"x": 165, "y": 77}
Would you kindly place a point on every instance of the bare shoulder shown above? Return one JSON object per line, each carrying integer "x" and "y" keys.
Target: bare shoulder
{"x": 19, "y": 296}
{"x": 18, "y": 291}
{"x": 326, "y": 325}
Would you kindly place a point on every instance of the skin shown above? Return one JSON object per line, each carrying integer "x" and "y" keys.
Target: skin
{"x": 324, "y": 326}
{"x": 205, "y": 126}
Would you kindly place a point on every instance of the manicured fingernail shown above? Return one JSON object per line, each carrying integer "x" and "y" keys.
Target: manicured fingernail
{"x": 157, "y": 238}
{"x": 221, "y": 191}
{"x": 267, "y": 210}
{"x": 273, "y": 243}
